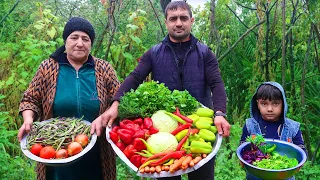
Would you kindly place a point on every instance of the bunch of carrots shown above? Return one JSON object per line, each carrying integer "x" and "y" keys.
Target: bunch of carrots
{"x": 174, "y": 164}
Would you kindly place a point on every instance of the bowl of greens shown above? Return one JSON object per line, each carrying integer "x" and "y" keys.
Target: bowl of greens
{"x": 270, "y": 158}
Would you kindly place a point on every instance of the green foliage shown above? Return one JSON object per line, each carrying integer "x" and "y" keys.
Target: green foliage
{"x": 227, "y": 162}
{"x": 12, "y": 167}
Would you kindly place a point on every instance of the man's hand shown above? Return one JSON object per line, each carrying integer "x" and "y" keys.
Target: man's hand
{"x": 222, "y": 125}
{"x": 105, "y": 119}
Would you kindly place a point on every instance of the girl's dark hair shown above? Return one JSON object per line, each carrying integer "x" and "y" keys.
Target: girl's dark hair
{"x": 174, "y": 5}
{"x": 267, "y": 91}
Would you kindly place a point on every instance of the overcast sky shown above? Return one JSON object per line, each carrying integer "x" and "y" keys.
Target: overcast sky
{"x": 195, "y": 3}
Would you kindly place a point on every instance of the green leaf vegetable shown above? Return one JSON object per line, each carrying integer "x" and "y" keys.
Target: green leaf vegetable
{"x": 276, "y": 162}
{"x": 152, "y": 96}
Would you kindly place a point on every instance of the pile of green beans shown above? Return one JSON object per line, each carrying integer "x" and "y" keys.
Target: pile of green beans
{"x": 57, "y": 133}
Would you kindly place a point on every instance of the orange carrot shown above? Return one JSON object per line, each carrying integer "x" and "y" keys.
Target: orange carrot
{"x": 166, "y": 168}
{"x": 147, "y": 169}
{"x": 152, "y": 169}
{"x": 186, "y": 162}
{"x": 197, "y": 159}
{"x": 177, "y": 164}
{"x": 162, "y": 167}
{"x": 141, "y": 170}
{"x": 191, "y": 163}
{"x": 158, "y": 169}
{"x": 204, "y": 155}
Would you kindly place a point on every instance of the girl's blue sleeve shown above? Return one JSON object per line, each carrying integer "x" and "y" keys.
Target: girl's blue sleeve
{"x": 245, "y": 134}
{"x": 298, "y": 140}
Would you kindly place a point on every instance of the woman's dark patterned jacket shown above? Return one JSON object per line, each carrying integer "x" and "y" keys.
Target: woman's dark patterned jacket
{"x": 40, "y": 95}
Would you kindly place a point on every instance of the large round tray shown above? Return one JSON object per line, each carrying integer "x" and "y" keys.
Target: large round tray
{"x": 57, "y": 162}
{"x": 216, "y": 147}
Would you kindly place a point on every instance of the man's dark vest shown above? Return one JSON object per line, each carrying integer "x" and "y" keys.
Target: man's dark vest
{"x": 193, "y": 78}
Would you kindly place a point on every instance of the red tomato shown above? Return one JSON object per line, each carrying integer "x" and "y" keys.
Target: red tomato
{"x": 36, "y": 148}
{"x": 82, "y": 139}
{"x": 61, "y": 154}
{"x": 47, "y": 152}
{"x": 74, "y": 148}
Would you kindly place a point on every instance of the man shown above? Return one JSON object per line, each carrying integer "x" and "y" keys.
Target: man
{"x": 181, "y": 62}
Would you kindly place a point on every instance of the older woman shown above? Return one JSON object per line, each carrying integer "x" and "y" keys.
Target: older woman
{"x": 72, "y": 83}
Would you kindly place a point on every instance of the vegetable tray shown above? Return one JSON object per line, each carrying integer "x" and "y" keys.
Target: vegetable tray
{"x": 216, "y": 146}
{"x": 57, "y": 162}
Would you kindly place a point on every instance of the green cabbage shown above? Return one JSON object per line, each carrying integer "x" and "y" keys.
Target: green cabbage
{"x": 162, "y": 141}
{"x": 163, "y": 122}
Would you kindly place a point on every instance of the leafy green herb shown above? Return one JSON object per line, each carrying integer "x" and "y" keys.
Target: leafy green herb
{"x": 152, "y": 96}
{"x": 259, "y": 142}
{"x": 256, "y": 139}
{"x": 276, "y": 161}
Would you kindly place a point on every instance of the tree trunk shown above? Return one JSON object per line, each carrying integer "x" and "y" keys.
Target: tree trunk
{"x": 213, "y": 34}
{"x": 267, "y": 44}
{"x": 112, "y": 24}
{"x": 155, "y": 13}
{"x": 303, "y": 105}
{"x": 5, "y": 16}
{"x": 283, "y": 69}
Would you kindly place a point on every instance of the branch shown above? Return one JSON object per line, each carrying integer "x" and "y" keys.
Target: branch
{"x": 244, "y": 35}
{"x": 316, "y": 31}
{"x": 288, "y": 83}
{"x": 5, "y": 17}
{"x": 239, "y": 19}
{"x": 254, "y": 9}
{"x": 157, "y": 18}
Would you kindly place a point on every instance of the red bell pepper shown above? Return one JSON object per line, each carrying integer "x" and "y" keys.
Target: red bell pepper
{"x": 121, "y": 145}
{"x": 129, "y": 151}
{"x": 136, "y": 160}
{"x": 114, "y": 136}
{"x": 125, "y": 122}
{"x": 138, "y": 121}
{"x": 126, "y": 131}
{"x": 138, "y": 144}
{"x": 147, "y": 123}
{"x": 128, "y": 124}
{"x": 126, "y": 136}
{"x": 144, "y": 134}
{"x": 115, "y": 128}
{"x": 153, "y": 130}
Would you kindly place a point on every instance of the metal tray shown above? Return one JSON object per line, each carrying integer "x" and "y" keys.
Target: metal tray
{"x": 57, "y": 162}
{"x": 216, "y": 147}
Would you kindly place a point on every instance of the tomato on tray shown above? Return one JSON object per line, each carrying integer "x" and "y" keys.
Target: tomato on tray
{"x": 47, "y": 152}
{"x": 36, "y": 148}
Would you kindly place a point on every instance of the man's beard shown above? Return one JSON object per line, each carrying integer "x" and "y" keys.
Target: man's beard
{"x": 179, "y": 37}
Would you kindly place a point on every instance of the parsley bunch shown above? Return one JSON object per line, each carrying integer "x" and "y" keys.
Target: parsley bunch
{"x": 152, "y": 96}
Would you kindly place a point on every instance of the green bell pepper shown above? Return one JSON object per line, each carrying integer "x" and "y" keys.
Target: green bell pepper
{"x": 207, "y": 135}
{"x": 200, "y": 147}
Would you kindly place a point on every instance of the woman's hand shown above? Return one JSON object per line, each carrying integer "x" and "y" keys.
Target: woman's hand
{"x": 222, "y": 125}
{"x": 27, "y": 123}
{"x": 105, "y": 119}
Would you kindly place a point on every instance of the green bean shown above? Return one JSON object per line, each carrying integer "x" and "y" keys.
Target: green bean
{"x": 57, "y": 132}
